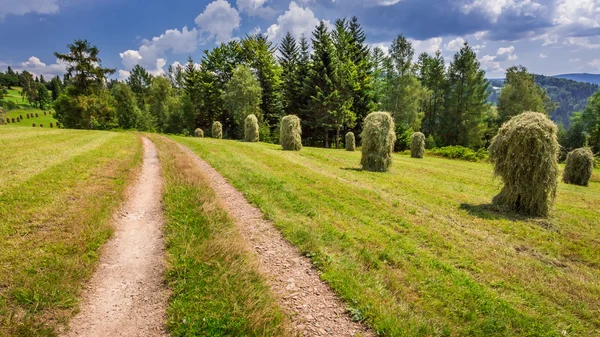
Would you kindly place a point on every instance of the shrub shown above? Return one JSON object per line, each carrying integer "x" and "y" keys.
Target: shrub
{"x": 199, "y": 133}
{"x": 430, "y": 142}
{"x": 579, "y": 167}
{"x": 10, "y": 105}
{"x": 251, "y": 131}
{"x": 291, "y": 133}
{"x": 350, "y": 142}
{"x": 217, "y": 130}
{"x": 524, "y": 154}
{"x": 185, "y": 132}
{"x": 459, "y": 152}
{"x": 378, "y": 138}
{"x": 417, "y": 145}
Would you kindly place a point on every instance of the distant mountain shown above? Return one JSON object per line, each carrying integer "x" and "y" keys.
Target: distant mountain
{"x": 571, "y": 95}
{"x": 584, "y": 77}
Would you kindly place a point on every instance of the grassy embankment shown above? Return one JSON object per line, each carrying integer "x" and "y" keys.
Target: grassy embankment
{"x": 216, "y": 288}
{"x": 58, "y": 189}
{"x": 14, "y": 95}
{"x": 419, "y": 251}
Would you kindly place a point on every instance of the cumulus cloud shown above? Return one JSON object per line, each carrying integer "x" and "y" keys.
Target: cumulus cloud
{"x": 543, "y": 56}
{"x": 151, "y": 55}
{"x": 385, "y": 47}
{"x": 256, "y": 8}
{"x": 494, "y": 9}
{"x": 35, "y": 66}
{"x": 124, "y": 74}
{"x": 429, "y": 46}
{"x": 595, "y": 64}
{"x": 491, "y": 63}
{"x": 218, "y": 21}
{"x": 455, "y": 44}
{"x": 296, "y": 19}
{"x": 21, "y": 7}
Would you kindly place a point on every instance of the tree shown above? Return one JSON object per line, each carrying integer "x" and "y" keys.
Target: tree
{"x": 519, "y": 94}
{"x": 432, "y": 74}
{"x": 591, "y": 120}
{"x": 43, "y": 98}
{"x": 320, "y": 83}
{"x": 243, "y": 97}
{"x": 378, "y": 62}
{"x": 462, "y": 122}
{"x": 576, "y": 135}
{"x": 291, "y": 84}
{"x": 160, "y": 102}
{"x": 364, "y": 100}
{"x": 139, "y": 81}
{"x": 84, "y": 67}
{"x": 129, "y": 115}
{"x": 55, "y": 87}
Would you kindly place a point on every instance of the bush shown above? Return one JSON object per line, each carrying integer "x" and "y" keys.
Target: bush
{"x": 430, "y": 142}
{"x": 217, "y": 130}
{"x": 459, "y": 152}
{"x": 378, "y": 138}
{"x": 524, "y": 154}
{"x": 417, "y": 145}
{"x": 579, "y": 167}
{"x": 199, "y": 133}
{"x": 251, "y": 128}
{"x": 350, "y": 142}
{"x": 291, "y": 133}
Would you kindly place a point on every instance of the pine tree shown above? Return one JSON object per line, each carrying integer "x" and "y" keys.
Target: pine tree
{"x": 291, "y": 86}
{"x": 364, "y": 97}
{"x": 432, "y": 74}
{"x": 140, "y": 81}
{"x": 345, "y": 80}
{"x": 466, "y": 101}
{"x": 243, "y": 97}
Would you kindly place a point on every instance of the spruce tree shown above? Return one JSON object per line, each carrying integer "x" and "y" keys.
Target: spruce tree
{"x": 364, "y": 96}
{"x": 291, "y": 86}
{"x": 432, "y": 74}
{"x": 139, "y": 81}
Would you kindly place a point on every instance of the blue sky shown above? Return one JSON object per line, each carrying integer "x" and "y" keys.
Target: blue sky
{"x": 547, "y": 36}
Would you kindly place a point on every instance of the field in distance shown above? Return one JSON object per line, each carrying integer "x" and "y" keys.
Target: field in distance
{"x": 419, "y": 251}
{"x": 58, "y": 189}
{"x": 24, "y": 108}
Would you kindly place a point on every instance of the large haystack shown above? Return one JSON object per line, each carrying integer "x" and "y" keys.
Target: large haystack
{"x": 350, "y": 142}
{"x": 217, "y": 130}
{"x": 524, "y": 154}
{"x": 417, "y": 145}
{"x": 199, "y": 133}
{"x": 579, "y": 167}
{"x": 291, "y": 133}
{"x": 251, "y": 128}
{"x": 378, "y": 138}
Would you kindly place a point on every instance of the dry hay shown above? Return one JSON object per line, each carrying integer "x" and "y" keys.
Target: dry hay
{"x": 199, "y": 133}
{"x": 350, "y": 143}
{"x": 417, "y": 145}
{"x": 525, "y": 156}
{"x": 291, "y": 133}
{"x": 251, "y": 128}
{"x": 217, "y": 130}
{"x": 579, "y": 167}
{"x": 378, "y": 138}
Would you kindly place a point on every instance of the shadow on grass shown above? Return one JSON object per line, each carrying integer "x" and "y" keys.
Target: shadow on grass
{"x": 357, "y": 169}
{"x": 494, "y": 212}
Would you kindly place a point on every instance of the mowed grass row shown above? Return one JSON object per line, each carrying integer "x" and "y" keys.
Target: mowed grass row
{"x": 419, "y": 251}
{"x": 41, "y": 119}
{"x": 216, "y": 287}
{"x": 58, "y": 190}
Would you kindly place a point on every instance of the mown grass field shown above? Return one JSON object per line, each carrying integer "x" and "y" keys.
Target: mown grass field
{"x": 216, "y": 287}
{"x": 14, "y": 95}
{"x": 419, "y": 251}
{"x": 58, "y": 189}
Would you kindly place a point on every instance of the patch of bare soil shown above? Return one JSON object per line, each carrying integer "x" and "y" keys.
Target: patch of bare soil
{"x": 314, "y": 308}
{"x": 126, "y": 295}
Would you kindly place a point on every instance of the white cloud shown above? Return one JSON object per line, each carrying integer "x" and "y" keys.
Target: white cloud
{"x": 256, "y": 8}
{"x": 385, "y": 47}
{"x": 543, "y": 56}
{"x": 296, "y": 20}
{"x": 456, "y": 44}
{"x": 256, "y": 30}
{"x": 581, "y": 42}
{"x": 491, "y": 63}
{"x": 124, "y": 75}
{"x": 21, "y": 7}
{"x": 506, "y": 54}
{"x": 429, "y": 46}
{"x": 218, "y": 21}
{"x": 36, "y": 67}
{"x": 577, "y": 14}
{"x": 575, "y": 60}
{"x": 154, "y": 50}
{"x": 493, "y": 9}
{"x": 595, "y": 63}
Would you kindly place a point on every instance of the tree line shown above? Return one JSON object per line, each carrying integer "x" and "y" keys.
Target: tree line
{"x": 330, "y": 80}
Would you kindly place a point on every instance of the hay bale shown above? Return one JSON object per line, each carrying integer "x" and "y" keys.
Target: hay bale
{"x": 27, "y": 116}
{"x": 524, "y": 154}
{"x": 21, "y": 117}
{"x": 199, "y": 133}
{"x": 350, "y": 142}
{"x": 378, "y": 138}
{"x": 44, "y": 113}
{"x": 41, "y": 125}
{"x": 13, "y": 120}
{"x": 217, "y": 130}
{"x": 417, "y": 145}
{"x": 51, "y": 125}
{"x": 33, "y": 125}
{"x": 36, "y": 115}
{"x": 251, "y": 130}
{"x": 579, "y": 167}
{"x": 291, "y": 133}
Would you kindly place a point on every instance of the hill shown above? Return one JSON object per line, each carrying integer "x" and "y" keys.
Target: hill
{"x": 583, "y": 77}
{"x": 571, "y": 95}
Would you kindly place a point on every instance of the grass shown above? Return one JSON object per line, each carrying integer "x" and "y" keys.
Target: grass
{"x": 216, "y": 287}
{"x": 14, "y": 95}
{"x": 58, "y": 189}
{"x": 419, "y": 251}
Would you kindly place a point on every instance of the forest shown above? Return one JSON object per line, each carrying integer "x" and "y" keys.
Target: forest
{"x": 331, "y": 80}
